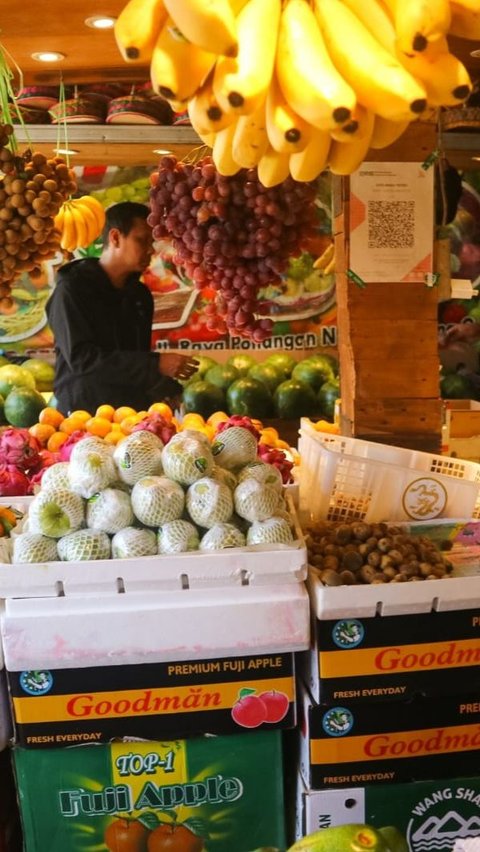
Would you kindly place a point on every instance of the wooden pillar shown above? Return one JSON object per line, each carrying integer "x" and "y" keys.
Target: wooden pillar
{"x": 388, "y": 342}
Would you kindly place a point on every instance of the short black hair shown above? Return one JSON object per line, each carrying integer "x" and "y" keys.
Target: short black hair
{"x": 122, "y": 216}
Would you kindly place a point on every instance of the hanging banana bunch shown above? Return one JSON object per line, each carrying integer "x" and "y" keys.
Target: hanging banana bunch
{"x": 80, "y": 222}
{"x": 297, "y": 86}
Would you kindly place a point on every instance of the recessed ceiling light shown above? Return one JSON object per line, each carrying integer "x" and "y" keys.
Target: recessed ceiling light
{"x": 48, "y": 56}
{"x": 162, "y": 151}
{"x": 100, "y": 22}
{"x": 66, "y": 151}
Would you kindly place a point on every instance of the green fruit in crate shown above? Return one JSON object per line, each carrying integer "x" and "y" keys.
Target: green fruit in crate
{"x": 92, "y": 467}
{"x": 265, "y": 473}
{"x": 234, "y": 447}
{"x": 312, "y": 372}
{"x": 209, "y": 502}
{"x": 178, "y": 537}
{"x": 23, "y": 406}
{"x": 294, "y": 399}
{"x": 250, "y": 398}
{"x": 157, "y": 500}
{"x": 132, "y": 542}
{"x": 270, "y": 531}
{"x": 327, "y": 397}
{"x": 222, "y": 536}
{"x": 42, "y": 372}
{"x": 267, "y": 374}
{"x": 222, "y": 375}
{"x": 84, "y": 545}
{"x": 187, "y": 458}
{"x": 242, "y": 363}
{"x": 282, "y": 362}
{"x": 352, "y": 838}
{"x": 255, "y": 501}
{"x": 13, "y": 376}
{"x": 137, "y": 456}
{"x": 33, "y": 547}
{"x": 109, "y": 511}
{"x": 203, "y": 398}
{"x": 55, "y": 513}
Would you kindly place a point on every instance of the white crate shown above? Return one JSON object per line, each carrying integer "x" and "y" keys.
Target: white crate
{"x": 350, "y": 479}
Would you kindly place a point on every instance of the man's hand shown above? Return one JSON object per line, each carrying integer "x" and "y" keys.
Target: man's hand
{"x": 180, "y": 367}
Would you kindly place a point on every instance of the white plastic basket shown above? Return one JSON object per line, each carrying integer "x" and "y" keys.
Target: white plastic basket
{"x": 350, "y": 479}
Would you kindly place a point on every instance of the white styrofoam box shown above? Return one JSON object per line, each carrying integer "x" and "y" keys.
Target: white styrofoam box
{"x": 141, "y": 627}
{"x": 347, "y": 478}
{"x": 256, "y": 565}
{"x": 470, "y": 845}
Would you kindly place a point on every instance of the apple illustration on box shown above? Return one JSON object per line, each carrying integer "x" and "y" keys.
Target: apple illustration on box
{"x": 251, "y": 710}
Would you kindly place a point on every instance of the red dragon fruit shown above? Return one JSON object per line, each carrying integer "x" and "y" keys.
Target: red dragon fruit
{"x": 157, "y": 424}
{"x": 68, "y": 445}
{"x": 239, "y": 420}
{"x": 13, "y": 481}
{"x": 46, "y": 460}
{"x": 19, "y": 448}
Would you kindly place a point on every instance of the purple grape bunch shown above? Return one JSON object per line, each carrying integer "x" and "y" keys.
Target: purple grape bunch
{"x": 231, "y": 233}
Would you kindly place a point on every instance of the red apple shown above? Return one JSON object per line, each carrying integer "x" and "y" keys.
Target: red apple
{"x": 249, "y": 712}
{"x": 277, "y": 705}
{"x": 126, "y": 835}
{"x": 174, "y": 838}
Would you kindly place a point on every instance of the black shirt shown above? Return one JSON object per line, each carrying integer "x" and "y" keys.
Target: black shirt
{"x": 102, "y": 341}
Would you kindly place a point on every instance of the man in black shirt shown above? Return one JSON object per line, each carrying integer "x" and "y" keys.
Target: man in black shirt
{"x": 101, "y": 317}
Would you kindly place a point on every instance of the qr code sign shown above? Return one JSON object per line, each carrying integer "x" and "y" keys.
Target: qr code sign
{"x": 391, "y": 224}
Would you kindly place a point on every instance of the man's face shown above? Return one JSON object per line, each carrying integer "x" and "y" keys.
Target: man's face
{"x": 135, "y": 249}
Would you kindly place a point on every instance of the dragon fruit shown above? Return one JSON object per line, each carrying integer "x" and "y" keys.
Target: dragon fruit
{"x": 19, "y": 448}
{"x": 158, "y": 425}
{"x": 68, "y": 445}
{"x": 13, "y": 482}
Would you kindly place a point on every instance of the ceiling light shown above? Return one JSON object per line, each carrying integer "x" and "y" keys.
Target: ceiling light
{"x": 66, "y": 151}
{"x": 162, "y": 151}
{"x": 100, "y": 22}
{"x": 48, "y": 56}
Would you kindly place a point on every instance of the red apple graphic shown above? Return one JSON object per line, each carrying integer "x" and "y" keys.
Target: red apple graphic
{"x": 249, "y": 711}
{"x": 277, "y": 705}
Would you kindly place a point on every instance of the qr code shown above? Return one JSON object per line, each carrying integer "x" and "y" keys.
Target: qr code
{"x": 391, "y": 224}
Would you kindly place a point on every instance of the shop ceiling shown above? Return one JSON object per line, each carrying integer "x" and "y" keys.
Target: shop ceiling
{"x": 92, "y": 56}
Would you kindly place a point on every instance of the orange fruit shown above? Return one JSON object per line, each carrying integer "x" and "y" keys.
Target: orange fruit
{"x": 114, "y": 437}
{"x": 129, "y": 422}
{"x": 81, "y": 414}
{"x": 51, "y": 417}
{"x": 163, "y": 409}
{"x": 56, "y": 440}
{"x": 98, "y": 426}
{"x": 122, "y": 412}
{"x": 71, "y": 424}
{"x": 216, "y": 418}
{"x": 192, "y": 420}
{"x": 106, "y": 411}
{"x": 42, "y": 432}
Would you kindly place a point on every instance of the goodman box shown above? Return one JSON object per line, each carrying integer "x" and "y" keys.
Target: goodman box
{"x": 351, "y": 744}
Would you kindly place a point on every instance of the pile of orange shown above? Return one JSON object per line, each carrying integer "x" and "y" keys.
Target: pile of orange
{"x": 111, "y": 424}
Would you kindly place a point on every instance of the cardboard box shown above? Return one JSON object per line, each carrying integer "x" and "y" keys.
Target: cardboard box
{"x": 431, "y": 814}
{"x": 227, "y": 791}
{"x": 346, "y": 744}
{"x": 155, "y": 701}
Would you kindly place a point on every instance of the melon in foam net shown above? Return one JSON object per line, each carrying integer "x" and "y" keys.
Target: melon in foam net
{"x": 133, "y": 542}
{"x": 139, "y": 455}
{"x": 157, "y": 500}
{"x": 234, "y": 448}
{"x": 178, "y": 537}
{"x": 209, "y": 502}
{"x": 187, "y": 458}
{"x": 56, "y": 476}
{"x": 255, "y": 501}
{"x": 109, "y": 510}
{"x": 55, "y": 513}
{"x": 262, "y": 472}
{"x": 84, "y": 545}
{"x": 92, "y": 467}
{"x": 221, "y": 536}
{"x": 33, "y": 547}
{"x": 271, "y": 531}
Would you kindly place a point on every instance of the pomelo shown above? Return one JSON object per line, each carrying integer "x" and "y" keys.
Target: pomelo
{"x": 221, "y": 536}
{"x": 23, "y": 406}
{"x": 109, "y": 511}
{"x": 242, "y": 362}
{"x": 234, "y": 447}
{"x": 42, "y": 372}
{"x": 177, "y": 537}
{"x": 203, "y": 397}
{"x": 249, "y": 397}
{"x": 187, "y": 457}
{"x": 209, "y": 502}
{"x": 255, "y": 501}
{"x": 84, "y": 545}
{"x": 139, "y": 455}
{"x": 157, "y": 500}
{"x": 270, "y": 531}
{"x": 13, "y": 376}
{"x": 294, "y": 398}
{"x": 132, "y": 542}
{"x": 34, "y": 547}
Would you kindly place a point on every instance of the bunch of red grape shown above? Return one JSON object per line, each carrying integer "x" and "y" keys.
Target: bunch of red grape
{"x": 231, "y": 233}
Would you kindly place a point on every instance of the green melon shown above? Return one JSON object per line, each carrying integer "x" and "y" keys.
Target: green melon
{"x": 242, "y": 362}
{"x": 42, "y": 372}
{"x": 13, "y": 376}
{"x": 282, "y": 362}
{"x": 177, "y": 537}
{"x": 23, "y": 406}
{"x": 250, "y": 398}
{"x": 222, "y": 375}
{"x": 221, "y": 536}
{"x": 313, "y": 372}
{"x": 269, "y": 375}
{"x": 294, "y": 398}
{"x": 132, "y": 542}
{"x": 203, "y": 398}
{"x": 209, "y": 502}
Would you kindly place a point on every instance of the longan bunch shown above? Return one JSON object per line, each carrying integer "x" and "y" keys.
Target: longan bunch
{"x": 32, "y": 190}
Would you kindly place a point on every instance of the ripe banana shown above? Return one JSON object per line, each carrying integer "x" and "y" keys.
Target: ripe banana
{"x": 375, "y": 17}
{"x": 446, "y": 80}
{"x": 137, "y": 28}
{"x": 286, "y": 131}
{"x": 345, "y": 157}
{"x": 419, "y": 22}
{"x": 325, "y": 258}
{"x": 204, "y": 110}
{"x": 97, "y": 209}
{"x": 68, "y": 240}
{"x": 273, "y": 167}
{"x": 386, "y": 132}
{"x": 89, "y": 231}
{"x": 465, "y": 19}
{"x": 178, "y": 68}
{"x": 210, "y": 24}
{"x": 222, "y": 152}
{"x": 241, "y": 84}
{"x": 353, "y": 129}
{"x": 310, "y": 83}
{"x": 250, "y": 140}
{"x": 380, "y": 81}
{"x": 306, "y": 165}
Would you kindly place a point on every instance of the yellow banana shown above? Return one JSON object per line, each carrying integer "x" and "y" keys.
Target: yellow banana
{"x": 286, "y": 131}
{"x": 375, "y": 17}
{"x": 204, "y": 110}
{"x": 446, "y": 80}
{"x": 210, "y": 24}
{"x": 380, "y": 81}
{"x": 81, "y": 226}
{"x": 345, "y": 157}
{"x": 250, "y": 140}
{"x": 273, "y": 167}
{"x": 353, "y": 129}
{"x": 137, "y": 28}
{"x": 92, "y": 229}
{"x": 97, "y": 209}
{"x": 306, "y": 165}
{"x": 241, "y": 84}
{"x": 68, "y": 240}
{"x": 310, "y": 83}
{"x": 330, "y": 267}
{"x": 325, "y": 258}
{"x": 386, "y": 132}
{"x": 465, "y": 19}
{"x": 419, "y": 22}
{"x": 204, "y": 135}
{"x": 58, "y": 220}
{"x": 222, "y": 152}
{"x": 178, "y": 68}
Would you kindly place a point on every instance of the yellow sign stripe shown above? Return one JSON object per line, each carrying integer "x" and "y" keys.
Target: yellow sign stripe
{"x": 396, "y": 745}
{"x": 141, "y": 702}
{"x": 399, "y": 659}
